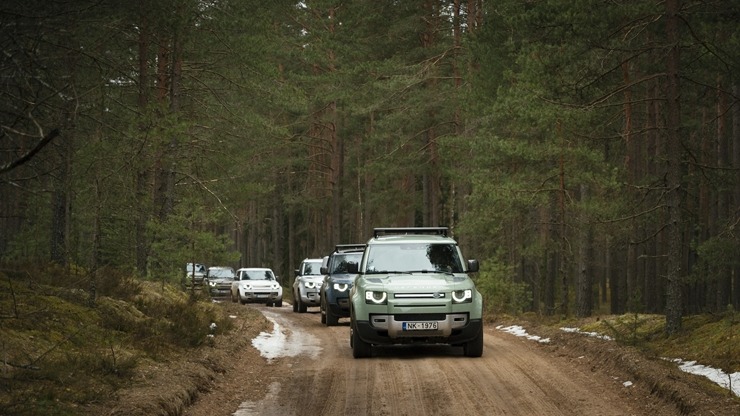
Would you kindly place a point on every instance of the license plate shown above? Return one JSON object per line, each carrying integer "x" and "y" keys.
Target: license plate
{"x": 419, "y": 326}
{"x": 261, "y": 295}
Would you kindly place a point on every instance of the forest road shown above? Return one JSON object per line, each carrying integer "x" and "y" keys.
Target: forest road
{"x": 307, "y": 368}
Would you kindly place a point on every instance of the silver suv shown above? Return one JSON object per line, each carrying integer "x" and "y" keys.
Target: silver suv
{"x": 412, "y": 286}
{"x": 308, "y": 280}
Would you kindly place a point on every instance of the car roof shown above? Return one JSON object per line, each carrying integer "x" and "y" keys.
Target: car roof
{"x": 254, "y": 268}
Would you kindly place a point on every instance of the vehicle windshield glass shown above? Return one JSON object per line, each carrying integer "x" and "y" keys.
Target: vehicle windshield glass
{"x": 258, "y": 275}
{"x": 408, "y": 257}
{"x": 312, "y": 268}
{"x": 340, "y": 261}
{"x": 221, "y": 273}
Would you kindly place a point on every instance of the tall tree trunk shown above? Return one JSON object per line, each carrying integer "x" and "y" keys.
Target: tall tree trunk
{"x": 675, "y": 272}
{"x": 584, "y": 286}
{"x": 736, "y": 198}
{"x": 141, "y": 180}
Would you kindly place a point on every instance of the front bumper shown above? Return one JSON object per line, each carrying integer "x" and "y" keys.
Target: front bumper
{"x": 260, "y": 297}
{"x": 220, "y": 292}
{"x": 453, "y": 328}
{"x": 311, "y": 298}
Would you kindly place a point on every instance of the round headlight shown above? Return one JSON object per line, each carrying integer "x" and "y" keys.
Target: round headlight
{"x": 378, "y": 298}
{"x": 342, "y": 287}
{"x": 461, "y": 296}
{"x": 310, "y": 285}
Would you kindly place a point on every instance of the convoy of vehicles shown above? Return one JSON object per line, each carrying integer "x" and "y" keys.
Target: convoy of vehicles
{"x": 404, "y": 286}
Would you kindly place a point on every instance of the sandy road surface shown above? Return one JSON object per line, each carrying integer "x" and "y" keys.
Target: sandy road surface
{"x": 316, "y": 375}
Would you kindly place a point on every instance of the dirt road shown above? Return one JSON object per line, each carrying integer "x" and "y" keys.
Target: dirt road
{"x": 306, "y": 368}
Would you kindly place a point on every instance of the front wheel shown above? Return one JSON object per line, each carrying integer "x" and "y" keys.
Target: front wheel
{"x": 360, "y": 348}
{"x": 331, "y": 319}
{"x": 474, "y": 348}
{"x": 279, "y": 303}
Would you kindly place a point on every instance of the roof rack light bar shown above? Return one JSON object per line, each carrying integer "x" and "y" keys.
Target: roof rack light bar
{"x": 347, "y": 247}
{"x": 411, "y": 230}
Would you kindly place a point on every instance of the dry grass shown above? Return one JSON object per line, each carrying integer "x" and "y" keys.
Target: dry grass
{"x": 63, "y": 348}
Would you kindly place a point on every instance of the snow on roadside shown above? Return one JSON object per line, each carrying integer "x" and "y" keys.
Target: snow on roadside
{"x": 521, "y": 332}
{"x": 727, "y": 381}
{"x": 724, "y": 380}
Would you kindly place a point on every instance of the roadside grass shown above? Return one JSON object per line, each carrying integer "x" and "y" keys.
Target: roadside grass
{"x": 62, "y": 347}
{"x": 709, "y": 339}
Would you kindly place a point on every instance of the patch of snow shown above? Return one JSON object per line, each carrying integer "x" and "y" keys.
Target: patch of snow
{"x": 627, "y": 384}
{"x": 727, "y": 381}
{"x": 521, "y": 332}
{"x": 290, "y": 341}
{"x": 590, "y": 334}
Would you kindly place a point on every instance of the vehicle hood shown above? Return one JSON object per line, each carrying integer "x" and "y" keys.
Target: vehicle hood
{"x": 342, "y": 278}
{"x": 419, "y": 281}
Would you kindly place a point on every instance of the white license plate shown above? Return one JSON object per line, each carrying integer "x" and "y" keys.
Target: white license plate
{"x": 419, "y": 326}
{"x": 261, "y": 295}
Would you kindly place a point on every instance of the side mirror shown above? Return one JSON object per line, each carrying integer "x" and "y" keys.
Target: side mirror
{"x": 473, "y": 266}
{"x": 352, "y": 267}
{"x": 324, "y": 270}
{"x": 296, "y": 272}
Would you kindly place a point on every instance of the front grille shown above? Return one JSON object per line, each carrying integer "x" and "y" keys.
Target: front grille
{"x": 426, "y": 295}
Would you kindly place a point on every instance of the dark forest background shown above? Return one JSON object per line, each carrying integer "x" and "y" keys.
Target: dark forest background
{"x": 587, "y": 152}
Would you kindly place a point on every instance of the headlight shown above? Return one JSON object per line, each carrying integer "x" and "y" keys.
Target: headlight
{"x": 310, "y": 285}
{"x": 247, "y": 287}
{"x": 341, "y": 287}
{"x": 211, "y": 283}
{"x": 462, "y": 296}
{"x": 376, "y": 298}
{"x": 275, "y": 286}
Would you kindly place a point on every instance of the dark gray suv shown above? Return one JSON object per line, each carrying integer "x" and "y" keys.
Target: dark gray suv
{"x": 338, "y": 282}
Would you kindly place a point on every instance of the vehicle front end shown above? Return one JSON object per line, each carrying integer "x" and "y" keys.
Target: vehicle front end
{"x": 408, "y": 308}
{"x": 308, "y": 289}
{"x": 257, "y": 291}
{"x": 336, "y": 294}
{"x": 220, "y": 288}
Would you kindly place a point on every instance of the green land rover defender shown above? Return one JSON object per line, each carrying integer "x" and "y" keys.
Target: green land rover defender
{"x": 412, "y": 286}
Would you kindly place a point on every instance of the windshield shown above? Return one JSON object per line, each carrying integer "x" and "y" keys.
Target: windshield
{"x": 340, "y": 261}
{"x": 422, "y": 257}
{"x": 257, "y": 275}
{"x": 219, "y": 273}
{"x": 312, "y": 268}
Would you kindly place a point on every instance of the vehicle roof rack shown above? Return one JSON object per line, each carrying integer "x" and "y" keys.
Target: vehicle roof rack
{"x": 411, "y": 230}
{"x": 348, "y": 247}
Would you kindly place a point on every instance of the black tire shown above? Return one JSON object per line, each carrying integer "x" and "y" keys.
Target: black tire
{"x": 295, "y": 302}
{"x": 268, "y": 304}
{"x": 474, "y": 348}
{"x": 360, "y": 348}
{"x": 331, "y": 319}
{"x": 279, "y": 304}
{"x": 301, "y": 306}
